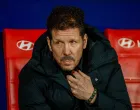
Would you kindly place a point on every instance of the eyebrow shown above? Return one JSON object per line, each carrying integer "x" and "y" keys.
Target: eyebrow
{"x": 57, "y": 40}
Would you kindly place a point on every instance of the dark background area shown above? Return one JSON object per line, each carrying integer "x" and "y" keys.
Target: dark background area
{"x": 31, "y": 14}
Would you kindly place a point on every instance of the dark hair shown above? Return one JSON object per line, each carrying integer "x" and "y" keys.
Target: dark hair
{"x": 64, "y": 17}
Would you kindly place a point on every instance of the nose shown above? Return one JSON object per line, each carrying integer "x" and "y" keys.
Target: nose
{"x": 67, "y": 50}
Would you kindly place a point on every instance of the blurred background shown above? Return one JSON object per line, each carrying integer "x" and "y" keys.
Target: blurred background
{"x": 32, "y": 14}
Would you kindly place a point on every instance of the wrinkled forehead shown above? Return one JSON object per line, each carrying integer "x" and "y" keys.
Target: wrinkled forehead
{"x": 67, "y": 32}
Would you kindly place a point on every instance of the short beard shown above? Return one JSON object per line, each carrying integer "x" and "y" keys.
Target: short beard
{"x": 69, "y": 72}
{"x": 66, "y": 71}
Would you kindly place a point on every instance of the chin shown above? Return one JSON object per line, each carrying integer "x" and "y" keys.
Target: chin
{"x": 67, "y": 69}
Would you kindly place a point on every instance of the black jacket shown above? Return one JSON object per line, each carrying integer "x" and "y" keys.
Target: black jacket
{"x": 42, "y": 85}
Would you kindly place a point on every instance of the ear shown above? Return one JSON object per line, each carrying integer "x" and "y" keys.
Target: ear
{"x": 85, "y": 38}
{"x": 49, "y": 43}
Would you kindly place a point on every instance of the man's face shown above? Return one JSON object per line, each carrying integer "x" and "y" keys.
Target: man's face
{"x": 67, "y": 47}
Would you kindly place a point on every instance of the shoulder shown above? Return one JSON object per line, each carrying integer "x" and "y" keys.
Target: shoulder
{"x": 29, "y": 76}
{"x": 99, "y": 53}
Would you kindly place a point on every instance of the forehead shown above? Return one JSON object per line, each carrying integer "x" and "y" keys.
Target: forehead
{"x": 73, "y": 32}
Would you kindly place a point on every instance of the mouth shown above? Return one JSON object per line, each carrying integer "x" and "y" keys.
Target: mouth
{"x": 67, "y": 62}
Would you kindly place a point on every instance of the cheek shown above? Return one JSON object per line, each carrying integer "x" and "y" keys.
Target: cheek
{"x": 78, "y": 52}
{"x": 56, "y": 53}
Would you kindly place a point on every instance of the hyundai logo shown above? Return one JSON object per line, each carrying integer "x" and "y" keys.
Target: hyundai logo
{"x": 126, "y": 43}
{"x": 25, "y": 45}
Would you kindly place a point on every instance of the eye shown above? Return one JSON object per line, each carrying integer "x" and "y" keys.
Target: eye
{"x": 58, "y": 42}
{"x": 73, "y": 42}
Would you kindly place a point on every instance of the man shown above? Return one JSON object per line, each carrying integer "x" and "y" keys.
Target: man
{"x": 73, "y": 67}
